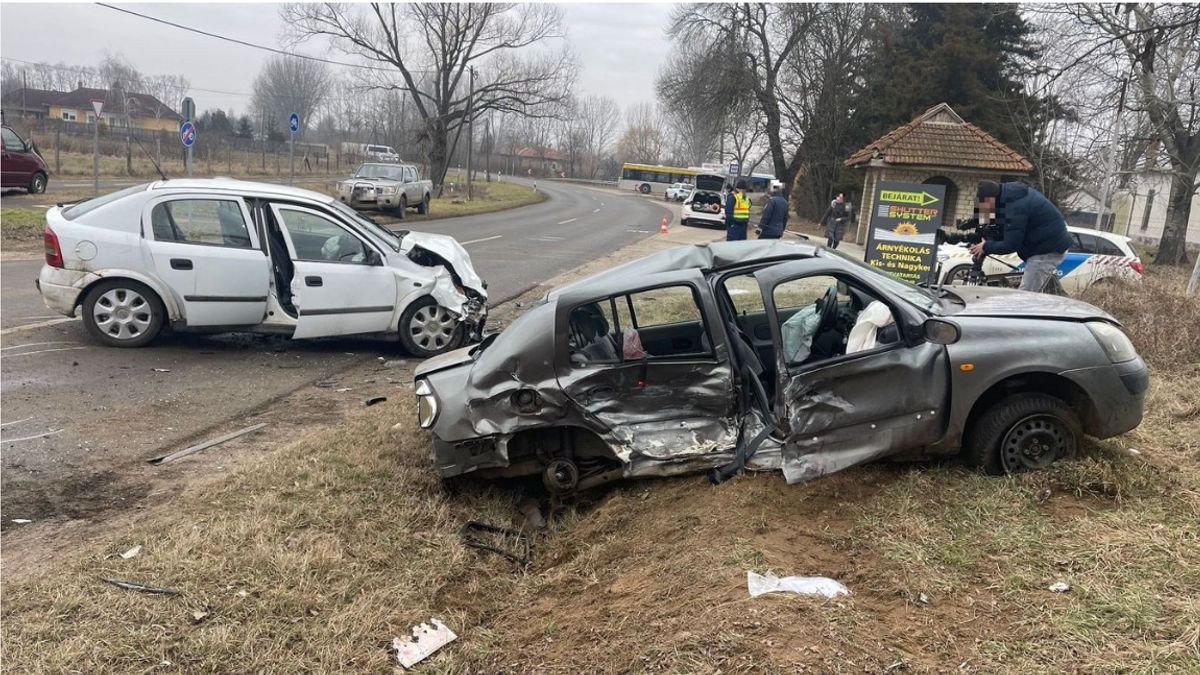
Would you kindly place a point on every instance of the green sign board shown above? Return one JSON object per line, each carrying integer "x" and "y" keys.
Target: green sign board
{"x": 904, "y": 224}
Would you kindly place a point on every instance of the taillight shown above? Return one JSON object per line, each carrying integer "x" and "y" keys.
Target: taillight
{"x": 1137, "y": 266}
{"x": 53, "y": 250}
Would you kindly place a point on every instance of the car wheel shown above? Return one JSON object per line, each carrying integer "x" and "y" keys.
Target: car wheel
{"x": 428, "y": 329}
{"x": 37, "y": 184}
{"x": 644, "y": 188}
{"x": 423, "y": 207}
{"x": 1023, "y": 432}
{"x": 958, "y": 275}
{"x": 123, "y": 313}
{"x": 399, "y": 212}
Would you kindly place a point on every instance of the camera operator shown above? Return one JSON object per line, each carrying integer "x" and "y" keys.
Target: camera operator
{"x": 1031, "y": 226}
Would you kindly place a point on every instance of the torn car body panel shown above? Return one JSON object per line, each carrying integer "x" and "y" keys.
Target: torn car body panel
{"x": 650, "y": 369}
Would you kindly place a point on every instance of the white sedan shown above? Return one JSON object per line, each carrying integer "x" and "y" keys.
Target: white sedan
{"x": 1095, "y": 256}
{"x": 228, "y": 255}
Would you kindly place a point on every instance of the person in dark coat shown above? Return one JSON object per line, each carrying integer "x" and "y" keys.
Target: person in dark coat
{"x": 836, "y": 217}
{"x": 774, "y": 216}
{"x": 1033, "y": 229}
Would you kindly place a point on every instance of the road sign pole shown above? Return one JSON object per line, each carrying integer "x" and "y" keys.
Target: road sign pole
{"x": 96, "y": 156}
{"x": 188, "y": 110}
{"x": 291, "y": 158}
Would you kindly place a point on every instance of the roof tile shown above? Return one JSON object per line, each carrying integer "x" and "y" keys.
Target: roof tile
{"x": 939, "y": 137}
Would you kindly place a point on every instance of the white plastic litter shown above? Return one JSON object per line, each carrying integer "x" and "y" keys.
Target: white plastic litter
{"x": 426, "y": 639}
{"x": 131, "y": 552}
{"x": 1059, "y": 587}
{"x": 769, "y": 583}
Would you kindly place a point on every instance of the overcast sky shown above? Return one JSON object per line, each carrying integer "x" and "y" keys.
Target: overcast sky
{"x": 620, "y": 46}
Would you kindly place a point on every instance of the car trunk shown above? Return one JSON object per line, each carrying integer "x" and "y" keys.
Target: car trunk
{"x": 706, "y": 202}
{"x": 714, "y": 182}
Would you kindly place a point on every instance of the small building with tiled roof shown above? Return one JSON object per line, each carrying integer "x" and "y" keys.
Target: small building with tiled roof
{"x": 532, "y": 161}
{"x": 937, "y": 148}
{"x": 141, "y": 111}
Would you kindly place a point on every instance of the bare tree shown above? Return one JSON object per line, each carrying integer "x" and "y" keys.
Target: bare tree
{"x": 599, "y": 119}
{"x": 642, "y": 141}
{"x": 288, "y": 84}
{"x": 432, "y": 50}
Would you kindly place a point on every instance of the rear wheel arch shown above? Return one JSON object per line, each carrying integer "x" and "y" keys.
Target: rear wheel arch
{"x": 174, "y": 311}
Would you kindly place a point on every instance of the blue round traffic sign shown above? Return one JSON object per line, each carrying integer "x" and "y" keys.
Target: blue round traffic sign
{"x": 187, "y": 134}
{"x": 294, "y": 122}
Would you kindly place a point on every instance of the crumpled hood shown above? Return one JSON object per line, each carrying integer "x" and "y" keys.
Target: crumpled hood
{"x": 1007, "y": 302}
{"x": 451, "y": 251}
{"x": 444, "y": 361}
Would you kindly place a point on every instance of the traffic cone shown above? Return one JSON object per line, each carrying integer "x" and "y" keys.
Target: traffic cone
{"x": 662, "y": 227}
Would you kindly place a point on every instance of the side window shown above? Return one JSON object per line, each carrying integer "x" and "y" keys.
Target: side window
{"x": 822, "y": 317}
{"x": 1106, "y": 247}
{"x": 1087, "y": 243}
{"x": 745, "y": 295}
{"x": 661, "y": 322}
{"x": 11, "y": 140}
{"x": 410, "y": 174}
{"x": 212, "y": 222}
{"x": 316, "y": 238}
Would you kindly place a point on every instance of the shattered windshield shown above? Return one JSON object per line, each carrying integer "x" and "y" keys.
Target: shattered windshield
{"x": 921, "y": 298}
{"x": 389, "y": 171}
{"x": 381, "y": 232}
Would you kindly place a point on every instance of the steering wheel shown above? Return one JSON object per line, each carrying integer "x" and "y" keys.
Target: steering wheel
{"x": 828, "y": 309}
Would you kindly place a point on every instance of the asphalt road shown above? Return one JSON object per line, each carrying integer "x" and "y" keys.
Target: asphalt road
{"x": 77, "y": 415}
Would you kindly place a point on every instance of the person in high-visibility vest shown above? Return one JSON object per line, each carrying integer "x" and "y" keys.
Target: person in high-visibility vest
{"x": 737, "y": 213}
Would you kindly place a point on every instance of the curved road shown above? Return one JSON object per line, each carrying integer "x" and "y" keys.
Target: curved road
{"x": 80, "y": 419}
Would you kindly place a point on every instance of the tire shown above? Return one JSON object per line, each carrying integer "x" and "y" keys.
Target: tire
{"x": 957, "y": 274}
{"x": 423, "y": 329}
{"x": 37, "y": 184}
{"x": 399, "y": 211}
{"x": 1021, "y": 433}
{"x": 141, "y": 320}
{"x": 423, "y": 207}
{"x": 644, "y": 188}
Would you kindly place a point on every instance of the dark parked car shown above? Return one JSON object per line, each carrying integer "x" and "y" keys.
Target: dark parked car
{"x": 775, "y": 355}
{"x": 22, "y": 166}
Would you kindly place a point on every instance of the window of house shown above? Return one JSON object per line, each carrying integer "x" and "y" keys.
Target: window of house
{"x": 68, "y": 115}
{"x": 212, "y": 222}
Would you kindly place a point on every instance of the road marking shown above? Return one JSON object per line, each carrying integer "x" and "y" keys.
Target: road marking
{"x": 30, "y": 438}
{"x": 42, "y": 351}
{"x": 595, "y": 210}
{"x": 476, "y": 241}
{"x": 15, "y": 422}
{"x": 569, "y": 220}
{"x": 31, "y": 326}
{"x": 36, "y": 344}
{"x": 546, "y": 238}
{"x": 640, "y": 231}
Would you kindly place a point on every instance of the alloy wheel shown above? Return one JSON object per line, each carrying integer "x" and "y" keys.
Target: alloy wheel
{"x": 122, "y": 314}
{"x": 432, "y": 327}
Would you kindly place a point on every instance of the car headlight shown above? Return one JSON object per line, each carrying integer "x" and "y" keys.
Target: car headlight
{"x": 427, "y": 405}
{"x": 387, "y": 190}
{"x": 1113, "y": 341}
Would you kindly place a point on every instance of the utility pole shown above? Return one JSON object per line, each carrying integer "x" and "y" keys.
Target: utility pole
{"x": 1114, "y": 129}
{"x": 470, "y": 129}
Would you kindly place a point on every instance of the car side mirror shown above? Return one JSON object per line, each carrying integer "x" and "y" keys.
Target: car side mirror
{"x": 941, "y": 332}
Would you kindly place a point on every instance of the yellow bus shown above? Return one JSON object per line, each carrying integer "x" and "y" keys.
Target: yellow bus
{"x": 653, "y": 179}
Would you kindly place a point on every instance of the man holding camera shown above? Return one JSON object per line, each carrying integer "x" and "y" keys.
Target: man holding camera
{"x": 1032, "y": 227}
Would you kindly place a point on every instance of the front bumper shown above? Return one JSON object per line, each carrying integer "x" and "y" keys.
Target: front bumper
{"x": 1117, "y": 393}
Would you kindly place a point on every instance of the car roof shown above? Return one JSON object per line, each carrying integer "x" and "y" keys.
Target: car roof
{"x": 239, "y": 186}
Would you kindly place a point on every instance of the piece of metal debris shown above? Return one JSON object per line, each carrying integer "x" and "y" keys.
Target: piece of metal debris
{"x": 923, "y": 599}
{"x": 206, "y": 444}
{"x": 21, "y": 521}
{"x": 1059, "y": 587}
{"x": 162, "y": 370}
{"x": 131, "y": 552}
{"x": 137, "y": 586}
{"x": 470, "y": 531}
{"x": 198, "y": 617}
{"x": 344, "y": 390}
{"x": 532, "y": 510}
{"x": 375, "y": 399}
{"x": 759, "y": 584}
{"x": 424, "y": 640}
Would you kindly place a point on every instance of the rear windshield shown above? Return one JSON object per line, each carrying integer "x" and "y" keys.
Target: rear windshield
{"x": 75, "y": 210}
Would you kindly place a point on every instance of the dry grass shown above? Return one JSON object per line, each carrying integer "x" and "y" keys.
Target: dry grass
{"x": 311, "y": 561}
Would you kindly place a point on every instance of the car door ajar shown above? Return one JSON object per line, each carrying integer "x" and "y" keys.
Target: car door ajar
{"x": 340, "y": 285}
{"x": 853, "y": 408}
{"x": 650, "y": 367}
{"x": 203, "y": 249}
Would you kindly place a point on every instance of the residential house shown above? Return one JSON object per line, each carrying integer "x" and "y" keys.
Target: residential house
{"x": 141, "y": 111}
{"x": 1141, "y": 208}
{"x": 537, "y": 161}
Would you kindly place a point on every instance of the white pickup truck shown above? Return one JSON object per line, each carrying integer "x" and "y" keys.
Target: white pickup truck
{"x": 388, "y": 187}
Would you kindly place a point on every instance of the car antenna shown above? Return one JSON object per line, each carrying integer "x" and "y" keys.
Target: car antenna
{"x": 156, "y": 166}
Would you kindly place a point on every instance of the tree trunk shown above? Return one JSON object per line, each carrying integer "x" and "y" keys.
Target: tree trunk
{"x": 1172, "y": 247}
{"x": 439, "y": 160}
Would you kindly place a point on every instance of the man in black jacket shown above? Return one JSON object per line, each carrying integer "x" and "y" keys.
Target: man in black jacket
{"x": 774, "y": 216}
{"x": 1033, "y": 229}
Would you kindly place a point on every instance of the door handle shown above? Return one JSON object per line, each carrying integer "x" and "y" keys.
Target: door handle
{"x": 181, "y": 264}
{"x": 313, "y": 281}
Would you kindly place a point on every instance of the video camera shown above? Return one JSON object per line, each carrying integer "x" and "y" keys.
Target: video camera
{"x": 972, "y": 231}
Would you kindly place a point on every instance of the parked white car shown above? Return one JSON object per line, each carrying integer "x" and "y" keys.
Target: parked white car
{"x": 228, "y": 255}
{"x": 677, "y": 192}
{"x": 705, "y": 206}
{"x": 1095, "y": 256}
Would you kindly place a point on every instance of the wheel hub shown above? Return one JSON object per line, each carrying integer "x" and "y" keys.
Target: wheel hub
{"x": 1034, "y": 443}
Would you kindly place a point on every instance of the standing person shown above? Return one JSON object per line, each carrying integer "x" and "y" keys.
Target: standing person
{"x": 835, "y": 219}
{"x": 774, "y": 216}
{"x": 737, "y": 213}
{"x": 1033, "y": 228}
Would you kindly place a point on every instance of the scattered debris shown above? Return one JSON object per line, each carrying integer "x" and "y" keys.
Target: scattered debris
{"x": 137, "y": 586}
{"x": 375, "y": 399}
{"x": 1059, "y": 587}
{"x": 425, "y": 639}
{"x": 198, "y": 617}
{"x": 532, "y": 511}
{"x": 206, "y": 444}
{"x": 1134, "y": 451}
{"x": 397, "y": 426}
{"x": 1044, "y": 495}
{"x": 394, "y": 363}
{"x": 21, "y": 521}
{"x": 923, "y": 599}
{"x": 344, "y": 390}
{"x": 131, "y": 552}
{"x": 518, "y": 539}
{"x": 162, "y": 370}
{"x": 769, "y": 583}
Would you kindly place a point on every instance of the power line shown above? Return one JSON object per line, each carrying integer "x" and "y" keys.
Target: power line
{"x": 244, "y": 43}
{"x": 83, "y": 69}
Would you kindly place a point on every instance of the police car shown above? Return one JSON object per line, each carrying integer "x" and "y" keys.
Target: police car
{"x": 1095, "y": 256}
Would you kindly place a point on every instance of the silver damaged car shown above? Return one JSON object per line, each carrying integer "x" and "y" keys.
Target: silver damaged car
{"x": 775, "y": 355}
